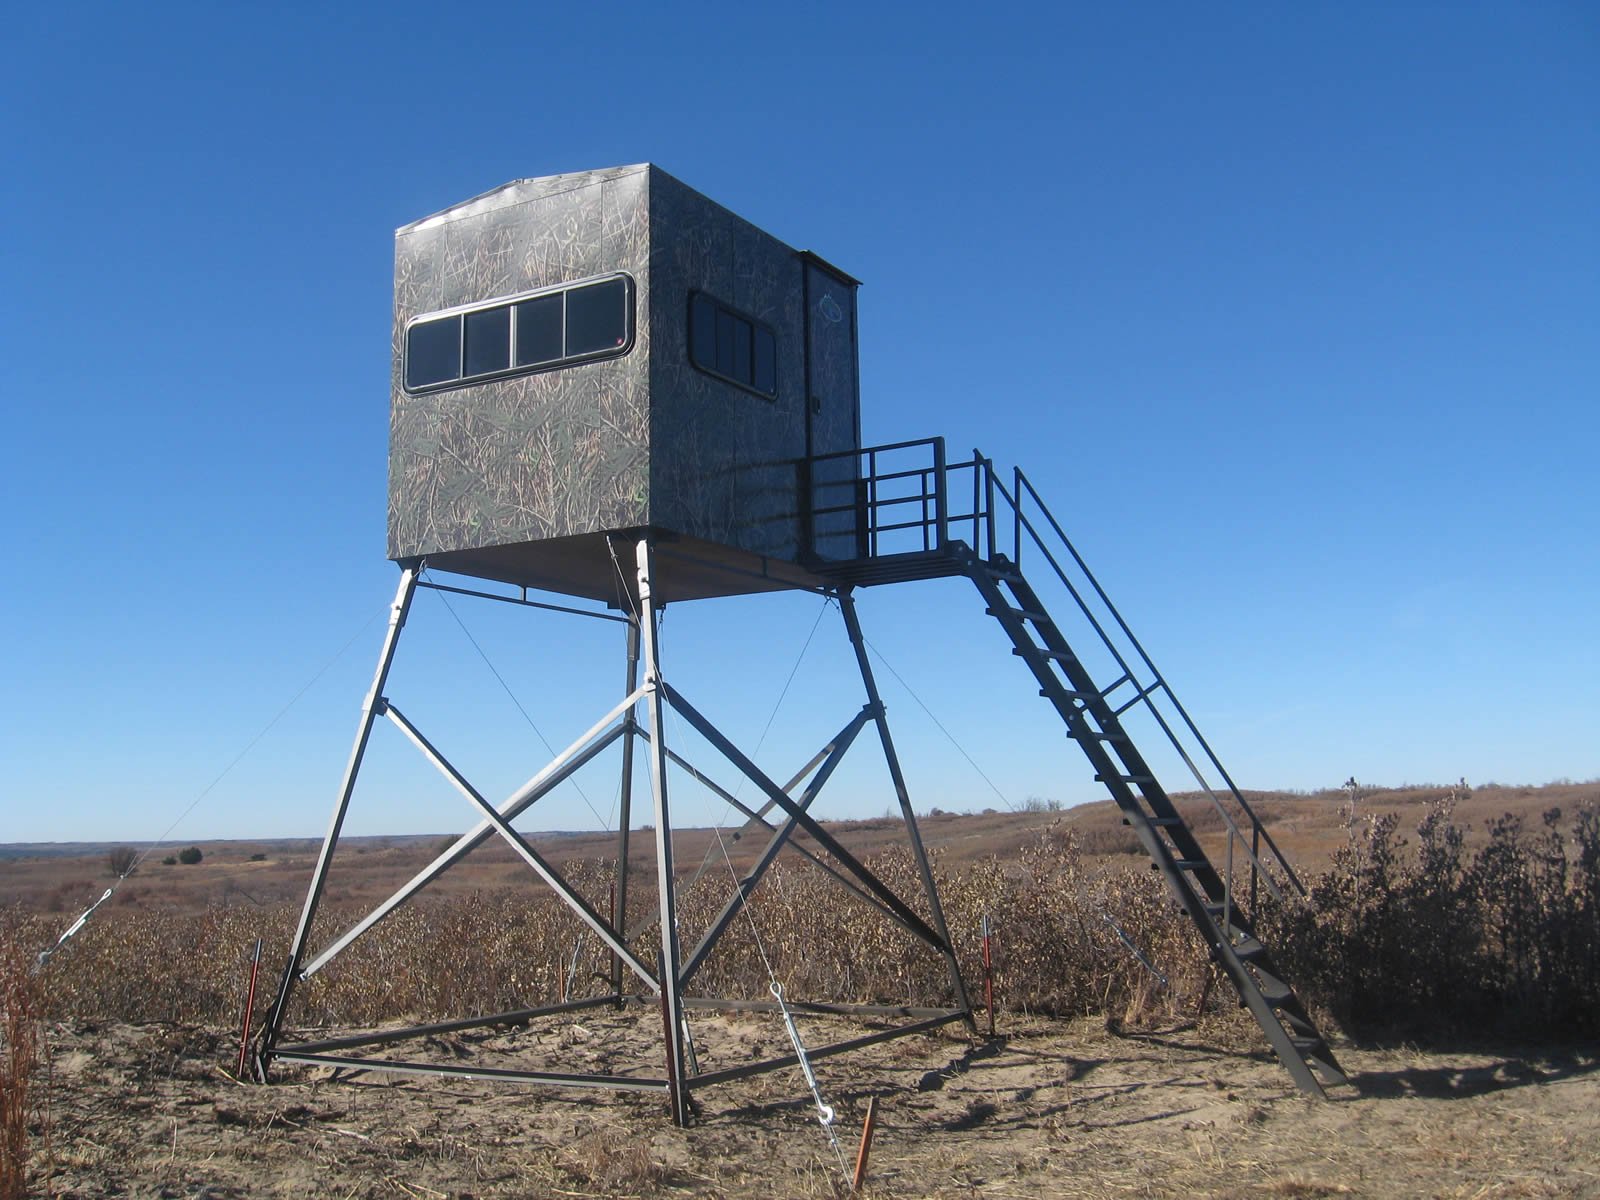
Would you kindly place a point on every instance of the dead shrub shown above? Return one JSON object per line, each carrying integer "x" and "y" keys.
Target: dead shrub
{"x": 1415, "y": 935}
{"x": 612, "y": 1165}
{"x": 1420, "y": 938}
{"x": 22, "y": 1059}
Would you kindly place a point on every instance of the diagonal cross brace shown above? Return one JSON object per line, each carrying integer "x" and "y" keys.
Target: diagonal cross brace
{"x": 741, "y": 895}
{"x": 754, "y": 816}
{"x": 528, "y": 854}
{"x": 733, "y": 754}
{"x": 757, "y": 820}
{"x": 600, "y": 735}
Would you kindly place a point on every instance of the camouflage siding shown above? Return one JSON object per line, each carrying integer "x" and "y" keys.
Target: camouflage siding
{"x": 537, "y": 456}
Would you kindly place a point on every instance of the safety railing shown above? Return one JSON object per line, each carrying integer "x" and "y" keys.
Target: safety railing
{"x": 908, "y": 498}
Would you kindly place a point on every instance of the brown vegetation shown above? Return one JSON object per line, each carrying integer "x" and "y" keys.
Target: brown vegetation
{"x": 22, "y": 1054}
{"x": 1425, "y": 937}
{"x": 1404, "y": 935}
{"x": 1487, "y": 925}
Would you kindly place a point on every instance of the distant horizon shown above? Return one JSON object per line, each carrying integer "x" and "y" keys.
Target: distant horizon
{"x": 96, "y": 844}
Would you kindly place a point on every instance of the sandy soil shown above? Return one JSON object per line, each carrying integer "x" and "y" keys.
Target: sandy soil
{"x": 1048, "y": 1109}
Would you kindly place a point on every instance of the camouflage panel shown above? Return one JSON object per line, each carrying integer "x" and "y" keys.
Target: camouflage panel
{"x": 724, "y": 463}
{"x": 536, "y": 456}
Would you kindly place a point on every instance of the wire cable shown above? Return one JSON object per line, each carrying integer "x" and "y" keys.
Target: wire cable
{"x": 825, "y": 1112}
{"x": 251, "y": 745}
{"x": 888, "y": 666}
{"x": 139, "y": 859}
{"x": 605, "y": 823}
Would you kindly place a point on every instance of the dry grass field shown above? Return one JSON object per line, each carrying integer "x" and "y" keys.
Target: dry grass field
{"x": 1309, "y": 826}
{"x": 1052, "y": 1108}
{"x": 1452, "y": 949}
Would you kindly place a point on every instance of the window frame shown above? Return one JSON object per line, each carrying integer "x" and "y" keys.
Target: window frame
{"x": 721, "y": 309}
{"x": 461, "y": 311}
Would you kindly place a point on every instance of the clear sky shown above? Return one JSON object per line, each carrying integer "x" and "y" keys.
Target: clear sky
{"x": 1290, "y": 311}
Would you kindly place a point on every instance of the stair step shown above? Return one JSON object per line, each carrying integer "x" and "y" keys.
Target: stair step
{"x": 1021, "y": 614}
{"x": 1057, "y": 655}
{"x": 1092, "y": 719}
{"x": 1299, "y": 1026}
{"x": 1248, "y": 948}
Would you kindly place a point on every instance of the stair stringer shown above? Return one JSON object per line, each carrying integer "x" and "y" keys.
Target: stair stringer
{"x": 1200, "y": 891}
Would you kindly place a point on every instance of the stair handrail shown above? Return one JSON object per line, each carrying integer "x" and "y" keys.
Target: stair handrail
{"x": 989, "y": 492}
{"x": 1020, "y": 521}
{"x": 1024, "y": 482}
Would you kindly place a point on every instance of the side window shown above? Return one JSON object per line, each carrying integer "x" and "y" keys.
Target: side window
{"x": 557, "y": 327}
{"x": 726, "y": 343}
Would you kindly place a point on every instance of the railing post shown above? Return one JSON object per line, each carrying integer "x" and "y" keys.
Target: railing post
{"x": 1227, "y": 893}
{"x": 977, "y": 498}
{"x": 988, "y": 501}
{"x": 940, "y": 512}
{"x": 1016, "y": 518}
{"x": 872, "y": 502}
{"x": 1255, "y": 863}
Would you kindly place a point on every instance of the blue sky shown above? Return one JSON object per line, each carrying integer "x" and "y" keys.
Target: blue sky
{"x": 1289, "y": 311}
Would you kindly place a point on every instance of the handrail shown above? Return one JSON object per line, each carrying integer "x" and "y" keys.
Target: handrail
{"x": 1022, "y": 522}
{"x": 1258, "y": 829}
{"x": 926, "y": 492}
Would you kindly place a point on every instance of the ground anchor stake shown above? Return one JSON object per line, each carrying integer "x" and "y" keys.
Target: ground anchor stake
{"x": 866, "y": 1143}
{"x": 249, "y": 1009}
{"x": 988, "y": 976}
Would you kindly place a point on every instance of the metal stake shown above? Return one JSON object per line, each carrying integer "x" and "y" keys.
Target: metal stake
{"x": 866, "y": 1144}
{"x": 988, "y": 976}
{"x": 249, "y": 1010}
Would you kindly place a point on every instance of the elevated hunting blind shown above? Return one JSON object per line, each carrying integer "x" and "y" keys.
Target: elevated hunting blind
{"x": 608, "y": 351}
{"x": 606, "y": 386}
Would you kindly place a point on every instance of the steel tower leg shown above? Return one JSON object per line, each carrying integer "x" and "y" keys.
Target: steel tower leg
{"x": 619, "y": 914}
{"x": 671, "y": 997}
{"x": 371, "y": 709}
{"x": 852, "y": 624}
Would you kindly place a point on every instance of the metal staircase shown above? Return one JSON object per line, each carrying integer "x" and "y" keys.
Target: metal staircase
{"x": 916, "y": 517}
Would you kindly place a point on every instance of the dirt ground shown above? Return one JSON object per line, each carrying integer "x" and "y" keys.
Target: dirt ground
{"x": 1048, "y": 1109}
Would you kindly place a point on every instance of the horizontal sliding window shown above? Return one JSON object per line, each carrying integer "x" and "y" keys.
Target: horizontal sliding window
{"x": 726, "y": 343}
{"x": 486, "y": 345}
{"x": 557, "y": 327}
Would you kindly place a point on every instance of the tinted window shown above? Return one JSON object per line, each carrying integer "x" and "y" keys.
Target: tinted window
{"x": 741, "y": 350}
{"x": 488, "y": 341}
{"x": 539, "y": 330}
{"x": 597, "y": 318}
{"x": 732, "y": 346}
{"x": 764, "y": 368}
{"x": 583, "y": 321}
{"x": 433, "y": 352}
{"x": 703, "y": 330}
{"x": 726, "y": 323}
